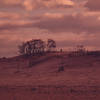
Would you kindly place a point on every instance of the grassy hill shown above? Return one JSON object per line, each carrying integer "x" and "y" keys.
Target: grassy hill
{"x": 81, "y": 73}
{"x": 44, "y": 70}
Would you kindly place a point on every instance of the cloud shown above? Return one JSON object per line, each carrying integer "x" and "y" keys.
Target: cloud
{"x": 78, "y": 24}
{"x": 9, "y": 15}
{"x": 93, "y": 5}
{"x": 60, "y": 20}
{"x": 56, "y": 23}
{"x": 15, "y": 24}
{"x": 11, "y": 4}
{"x": 36, "y": 4}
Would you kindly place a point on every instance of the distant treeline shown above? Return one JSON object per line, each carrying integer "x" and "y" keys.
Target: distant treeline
{"x": 84, "y": 53}
{"x": 37, "y": 46}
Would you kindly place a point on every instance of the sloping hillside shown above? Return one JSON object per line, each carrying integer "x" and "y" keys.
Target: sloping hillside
{"x": 35, "y": 77}
{"x": 44, "y": 70}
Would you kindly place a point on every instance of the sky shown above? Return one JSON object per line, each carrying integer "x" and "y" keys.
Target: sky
{"x": 68, "y": 22}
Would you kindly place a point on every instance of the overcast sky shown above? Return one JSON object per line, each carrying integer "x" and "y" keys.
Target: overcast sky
{"x": 69, "y": 22}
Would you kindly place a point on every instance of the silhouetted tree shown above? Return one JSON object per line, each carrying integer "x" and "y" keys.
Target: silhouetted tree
{"x": 32, "y": 47}
{"x": 51, "y": 45}
{"x": 38, "y": 46}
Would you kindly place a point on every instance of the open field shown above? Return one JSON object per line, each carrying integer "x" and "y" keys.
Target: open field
{"x": 37, "y": 78}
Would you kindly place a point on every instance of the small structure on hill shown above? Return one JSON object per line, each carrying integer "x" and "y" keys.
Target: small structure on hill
{"x": 61, "y": 66}
{"x": 80, "y": 51}
{"x": 61, "y": 50}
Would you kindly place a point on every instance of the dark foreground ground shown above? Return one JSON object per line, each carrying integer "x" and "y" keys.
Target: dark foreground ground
{"x": 50, "y": 93}
{"x": 37, "y": 78}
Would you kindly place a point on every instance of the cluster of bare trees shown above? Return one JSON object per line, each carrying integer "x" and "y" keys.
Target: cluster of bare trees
{"x": 37, "y": 46}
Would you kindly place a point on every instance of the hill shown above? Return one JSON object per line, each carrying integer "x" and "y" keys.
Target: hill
{"x": 80, "y": 75}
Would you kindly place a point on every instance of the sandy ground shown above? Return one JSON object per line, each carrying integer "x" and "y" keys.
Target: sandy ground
{"x": 37, "y": 78}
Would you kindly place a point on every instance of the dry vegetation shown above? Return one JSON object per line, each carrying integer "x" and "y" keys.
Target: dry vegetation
{"x": 38, "y": 78}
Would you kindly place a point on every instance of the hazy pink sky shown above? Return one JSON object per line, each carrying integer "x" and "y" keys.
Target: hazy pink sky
{"x": 69, "y": 22}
